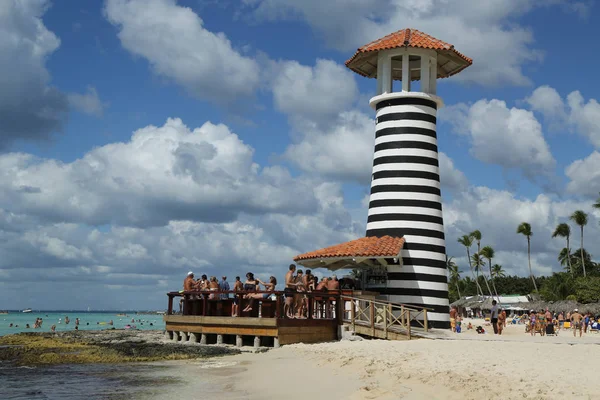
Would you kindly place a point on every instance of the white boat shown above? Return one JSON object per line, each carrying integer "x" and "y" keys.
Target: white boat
{"x": 27, "y": 310}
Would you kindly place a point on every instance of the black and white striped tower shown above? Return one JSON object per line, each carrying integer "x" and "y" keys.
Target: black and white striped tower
{"x": 405, "y": 196}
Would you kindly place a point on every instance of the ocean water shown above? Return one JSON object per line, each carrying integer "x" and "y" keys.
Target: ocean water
{"x": 87, "y": 321}
{"x": 85, "y": 381}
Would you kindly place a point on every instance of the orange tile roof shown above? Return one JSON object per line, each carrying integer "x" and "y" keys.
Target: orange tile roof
{"x": 385, "y": 246}
{"x": 411, "y": 38}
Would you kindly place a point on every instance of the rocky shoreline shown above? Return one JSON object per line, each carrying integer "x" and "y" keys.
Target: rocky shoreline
{"x": 107, "y": 346}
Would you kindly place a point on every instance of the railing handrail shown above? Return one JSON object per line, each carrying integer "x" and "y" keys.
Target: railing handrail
{"x": 277, "y": 292}
{"x": 385, "y": 303}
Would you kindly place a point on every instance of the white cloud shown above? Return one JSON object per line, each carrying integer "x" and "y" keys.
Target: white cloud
{"x": 315, "y": 94}
{"x": 509, "y": 137}
{"x": 172, "y": 38}
{"x": 547, "y": 101}
{"x": 584, "y": 175}
{"x": 164, "y": 173}
{"x": 451, "y": 177}
{"x": 484, "y": 30}
{"x": 585, "y": 116}
{"x": 30, "y": 108}
{"x": 88, "y": 102}
{"x": 344, "y": 151}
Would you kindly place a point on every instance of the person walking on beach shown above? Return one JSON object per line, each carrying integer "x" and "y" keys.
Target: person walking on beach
{"x": 494, "y": 316}
{"x": 453, "y": 314}
{"x": 576, "y": 322}
{"x": 501, "y": 321}
{"x": 561, "y": 320}
{"x": 224, "y": 287}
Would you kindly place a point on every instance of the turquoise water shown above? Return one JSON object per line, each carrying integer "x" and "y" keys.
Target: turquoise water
{"x": 87, "y": 321}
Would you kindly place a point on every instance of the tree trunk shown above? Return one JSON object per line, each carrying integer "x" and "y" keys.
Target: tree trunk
{"x": 487, "y": 284}
{"x": 569, "y": 256}
{"x": 529, "y": 259}
{"x": 458, "y": 290}
{"x": 492, "y": 278}
{"x": 582, "y": 259}
{"x": 473, "y": 273}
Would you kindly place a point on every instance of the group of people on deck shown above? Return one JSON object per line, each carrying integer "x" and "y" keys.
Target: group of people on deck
{"x": 297, "y": 284}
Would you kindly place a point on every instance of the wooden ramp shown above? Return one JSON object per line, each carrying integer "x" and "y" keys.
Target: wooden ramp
{"x": 380, "y": 319}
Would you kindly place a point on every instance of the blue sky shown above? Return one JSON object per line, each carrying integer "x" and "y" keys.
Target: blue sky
{"x": 253, "y": 142}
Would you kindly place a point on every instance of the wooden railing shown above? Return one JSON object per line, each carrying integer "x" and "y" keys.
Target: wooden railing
{"x": 318, "y": 305}
{"x": 382, "y": 315}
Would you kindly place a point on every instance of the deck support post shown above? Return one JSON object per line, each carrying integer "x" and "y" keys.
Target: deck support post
{"x": 256, "y": 342}
{"x": 184, "y": 336}
{"x": 425, "y": 325}
{"x": 276, "y": 343}
{"x": 193, "y": 337}
{"x": 168, "y": 335}
{"x": 238, "y": 341}
{"x": 203, "y": 339}
{"x": 175, "y": 336}
{"x": 219, "y": 339}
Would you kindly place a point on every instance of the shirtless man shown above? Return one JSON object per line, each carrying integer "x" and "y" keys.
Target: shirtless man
{"x": 238, "y": 286}
{"x": 453, "y": 314}
{"x": 322, "y": 286}
{"x": 577, "y": 322}
{"x": 299, "y": 296}
{"x": 333, "y": 283}
{"x": 288, "y": 292}
{"x": 189, "y": 283}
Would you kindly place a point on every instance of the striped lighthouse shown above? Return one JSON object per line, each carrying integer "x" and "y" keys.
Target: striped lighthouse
{"x": 405, "y": 199}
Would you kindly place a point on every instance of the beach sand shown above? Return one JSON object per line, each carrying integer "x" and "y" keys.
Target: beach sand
{"x": 464, "y": 366}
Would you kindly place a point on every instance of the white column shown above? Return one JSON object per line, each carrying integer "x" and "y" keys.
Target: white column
{"x": 425, "y": 74}
{"x": 380, "y": 62}
{"x": 405, "y": 72}
{"x": 433, "y": 76}
{"x": 386, "y": 67}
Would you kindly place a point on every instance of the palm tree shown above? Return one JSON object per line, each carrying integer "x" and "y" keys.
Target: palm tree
{"x": 564, "y": 258}
{"x": 454, "y": 273}
{"x": 476, "y": 235}
{"x": 596, "y": 205}
{"x": 564, "y": 230}
{"x": 478, "y": 263}
{"x": 488, "y": 252}
{"x": 525, "y": 229}
{"x": 581, "y": 219}
{"x": 497, "y": 271}
{"x": 467, "y": 241}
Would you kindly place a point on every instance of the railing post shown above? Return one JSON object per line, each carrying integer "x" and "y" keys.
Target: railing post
{"x": 353, "y": 314}
{"x": 425, "y": 319}
{"x": 385, "y": 319}
{"x": 402, "y": 316}
{"x": 239, "y": 308}
{"x": 170, "y": 307}
{"x": 278, "y": 306}
{"x": 340, "y": 309}
{"x": 372, "y": 311}
{"x": 311, "y": 306}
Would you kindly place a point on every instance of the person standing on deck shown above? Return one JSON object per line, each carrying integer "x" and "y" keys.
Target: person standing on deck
{"x": 224, "y": 287}
{"x": 494, "y": 316}
{"x": 237, "y": 287}
{"x": 188, "y": 282}
{"x": 289, "y": 290}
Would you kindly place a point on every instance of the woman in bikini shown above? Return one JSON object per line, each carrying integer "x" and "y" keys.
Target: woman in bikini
{"x": 250, "y": 285}
{"x": 269, "y": 287}
{"x": 213, "y": 285}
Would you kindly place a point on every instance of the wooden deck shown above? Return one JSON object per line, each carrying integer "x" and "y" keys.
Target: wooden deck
{"x": 209, "y": 320}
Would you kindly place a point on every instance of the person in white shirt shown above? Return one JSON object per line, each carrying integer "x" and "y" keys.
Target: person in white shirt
{"x": 494, "y": 316}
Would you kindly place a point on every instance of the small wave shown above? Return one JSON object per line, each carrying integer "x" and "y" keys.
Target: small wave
{"x": 217, "y": 364}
